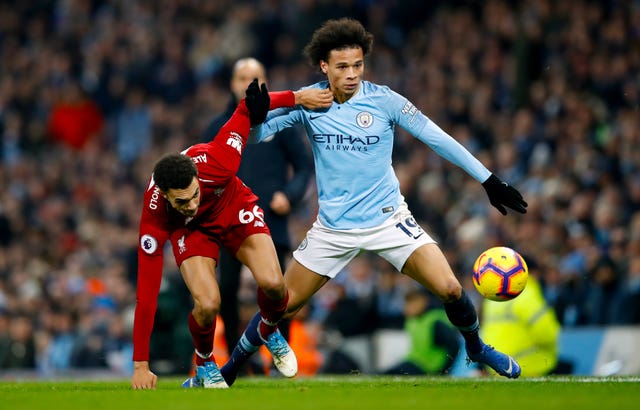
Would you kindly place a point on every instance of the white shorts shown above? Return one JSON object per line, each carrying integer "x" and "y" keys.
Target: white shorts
{"x": 327, "y": 251}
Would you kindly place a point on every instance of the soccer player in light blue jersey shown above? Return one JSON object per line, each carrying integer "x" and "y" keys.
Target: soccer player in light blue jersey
{"x": 360, "y": 205}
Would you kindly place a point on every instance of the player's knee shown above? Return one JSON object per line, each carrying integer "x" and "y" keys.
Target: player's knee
{"x": 205, "y": 309}
{"x": 450, "y": 292}
{"x": 273, "y": 287}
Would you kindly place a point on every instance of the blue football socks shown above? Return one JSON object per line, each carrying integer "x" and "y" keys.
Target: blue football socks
{"x": 462, "y": 314}
{"x": 248, "y": 344}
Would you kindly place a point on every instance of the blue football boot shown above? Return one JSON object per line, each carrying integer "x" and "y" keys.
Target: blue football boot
{"x": 501, "y": 363}
{"x": 207, "y": 376}
{"x": 283, "y": 357}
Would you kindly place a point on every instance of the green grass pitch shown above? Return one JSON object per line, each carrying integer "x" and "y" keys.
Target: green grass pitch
{"x": 332, "y": 393}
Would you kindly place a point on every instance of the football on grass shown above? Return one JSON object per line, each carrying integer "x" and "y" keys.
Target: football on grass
{"x": 500, "y": 273}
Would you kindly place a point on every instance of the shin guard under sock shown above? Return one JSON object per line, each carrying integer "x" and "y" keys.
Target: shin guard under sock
{"x": 248, "y": 344}
{"x": 202, "y": 340}
{"x": 463, "y": 315}
{"x": 271, "y": 311}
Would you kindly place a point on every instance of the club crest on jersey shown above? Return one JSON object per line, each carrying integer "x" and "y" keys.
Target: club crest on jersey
{"x": 364, "y": 119}
{"x": 235, "y": 141}
{"x": 148, "y": 243}
{"x": 181, "y": 245}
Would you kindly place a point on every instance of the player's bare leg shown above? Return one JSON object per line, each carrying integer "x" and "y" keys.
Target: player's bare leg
{"x": 199, "y": 275}
{"x": 258, "y": 253}
{"x": 301, "y": 284}
{"x": 429, "y": 267}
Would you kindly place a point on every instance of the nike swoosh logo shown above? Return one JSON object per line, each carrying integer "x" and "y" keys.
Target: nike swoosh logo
{"x": 313, "y": 117}
{"x": 206, "y": 180}
{"x": 510, "y": 368}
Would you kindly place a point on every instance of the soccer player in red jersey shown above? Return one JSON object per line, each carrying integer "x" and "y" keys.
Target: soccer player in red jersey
{"x": 195, "y": 200}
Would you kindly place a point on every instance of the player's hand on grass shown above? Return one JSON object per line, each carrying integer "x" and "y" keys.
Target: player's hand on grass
{"x": 502, "y": 194}
{"x": 143, "y": 378}
{"x": 257, "y": 101}
{"x": 314, "y": 98}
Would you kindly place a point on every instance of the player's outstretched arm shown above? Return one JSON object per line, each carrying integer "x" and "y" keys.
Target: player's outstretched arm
{"x": 502, "y": 194}
{"x": 257, "y": 102}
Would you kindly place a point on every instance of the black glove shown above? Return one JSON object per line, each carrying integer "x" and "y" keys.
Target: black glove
{"x": 257, "y": 101}
{"x": 502, "y": 194}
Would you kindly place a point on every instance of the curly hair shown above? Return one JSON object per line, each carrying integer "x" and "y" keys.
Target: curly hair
{"x": 174, "y": 171}
{"x": 337, "y": 34}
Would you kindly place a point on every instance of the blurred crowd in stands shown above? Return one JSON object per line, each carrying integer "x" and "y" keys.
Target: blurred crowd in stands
{"x": 546, "y": 93}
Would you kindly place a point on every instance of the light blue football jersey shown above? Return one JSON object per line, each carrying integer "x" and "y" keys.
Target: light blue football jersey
{"x": 352, "y": 145}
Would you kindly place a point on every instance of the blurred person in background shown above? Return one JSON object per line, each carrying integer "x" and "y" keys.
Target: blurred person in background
{"x": 355, "y": 312}
{"x": 628, "y": 303}
{"x": 133, "y": 131}
{"x": 196, "y": 201}
{"x": 603, "y": 292}
{"x": 525, "y": 327}
{"x": 391, "y": 291}
{"x": 434, "y": 342}
{"x": 57, "y": 355}
{"x": 361, "y": 207}
{"x": 278, "y": 172}
{"x": 75, "y": 119}
{"x": 17, "y": 345}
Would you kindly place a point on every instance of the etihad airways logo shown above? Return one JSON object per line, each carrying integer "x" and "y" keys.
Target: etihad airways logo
{"x": 342, "y": 142}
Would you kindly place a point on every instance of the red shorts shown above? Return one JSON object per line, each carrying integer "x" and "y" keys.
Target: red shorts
{"x": 241, "y": 218}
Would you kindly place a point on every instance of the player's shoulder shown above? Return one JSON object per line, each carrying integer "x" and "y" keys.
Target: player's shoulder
{"x": 191, "y": 150}
{"x": 198, "y": 150}
{"x": 370, "y": 89}
{"x": 382, "y": 96}
{"x": 319, "y": 85}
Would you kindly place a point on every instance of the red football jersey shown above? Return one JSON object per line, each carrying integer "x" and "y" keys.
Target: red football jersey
{"x": 217, "y": 162}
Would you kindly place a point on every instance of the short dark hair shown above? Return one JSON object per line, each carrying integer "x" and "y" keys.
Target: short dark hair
{"x": 337, "y": 34}
{"x": 174, "y": 171}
